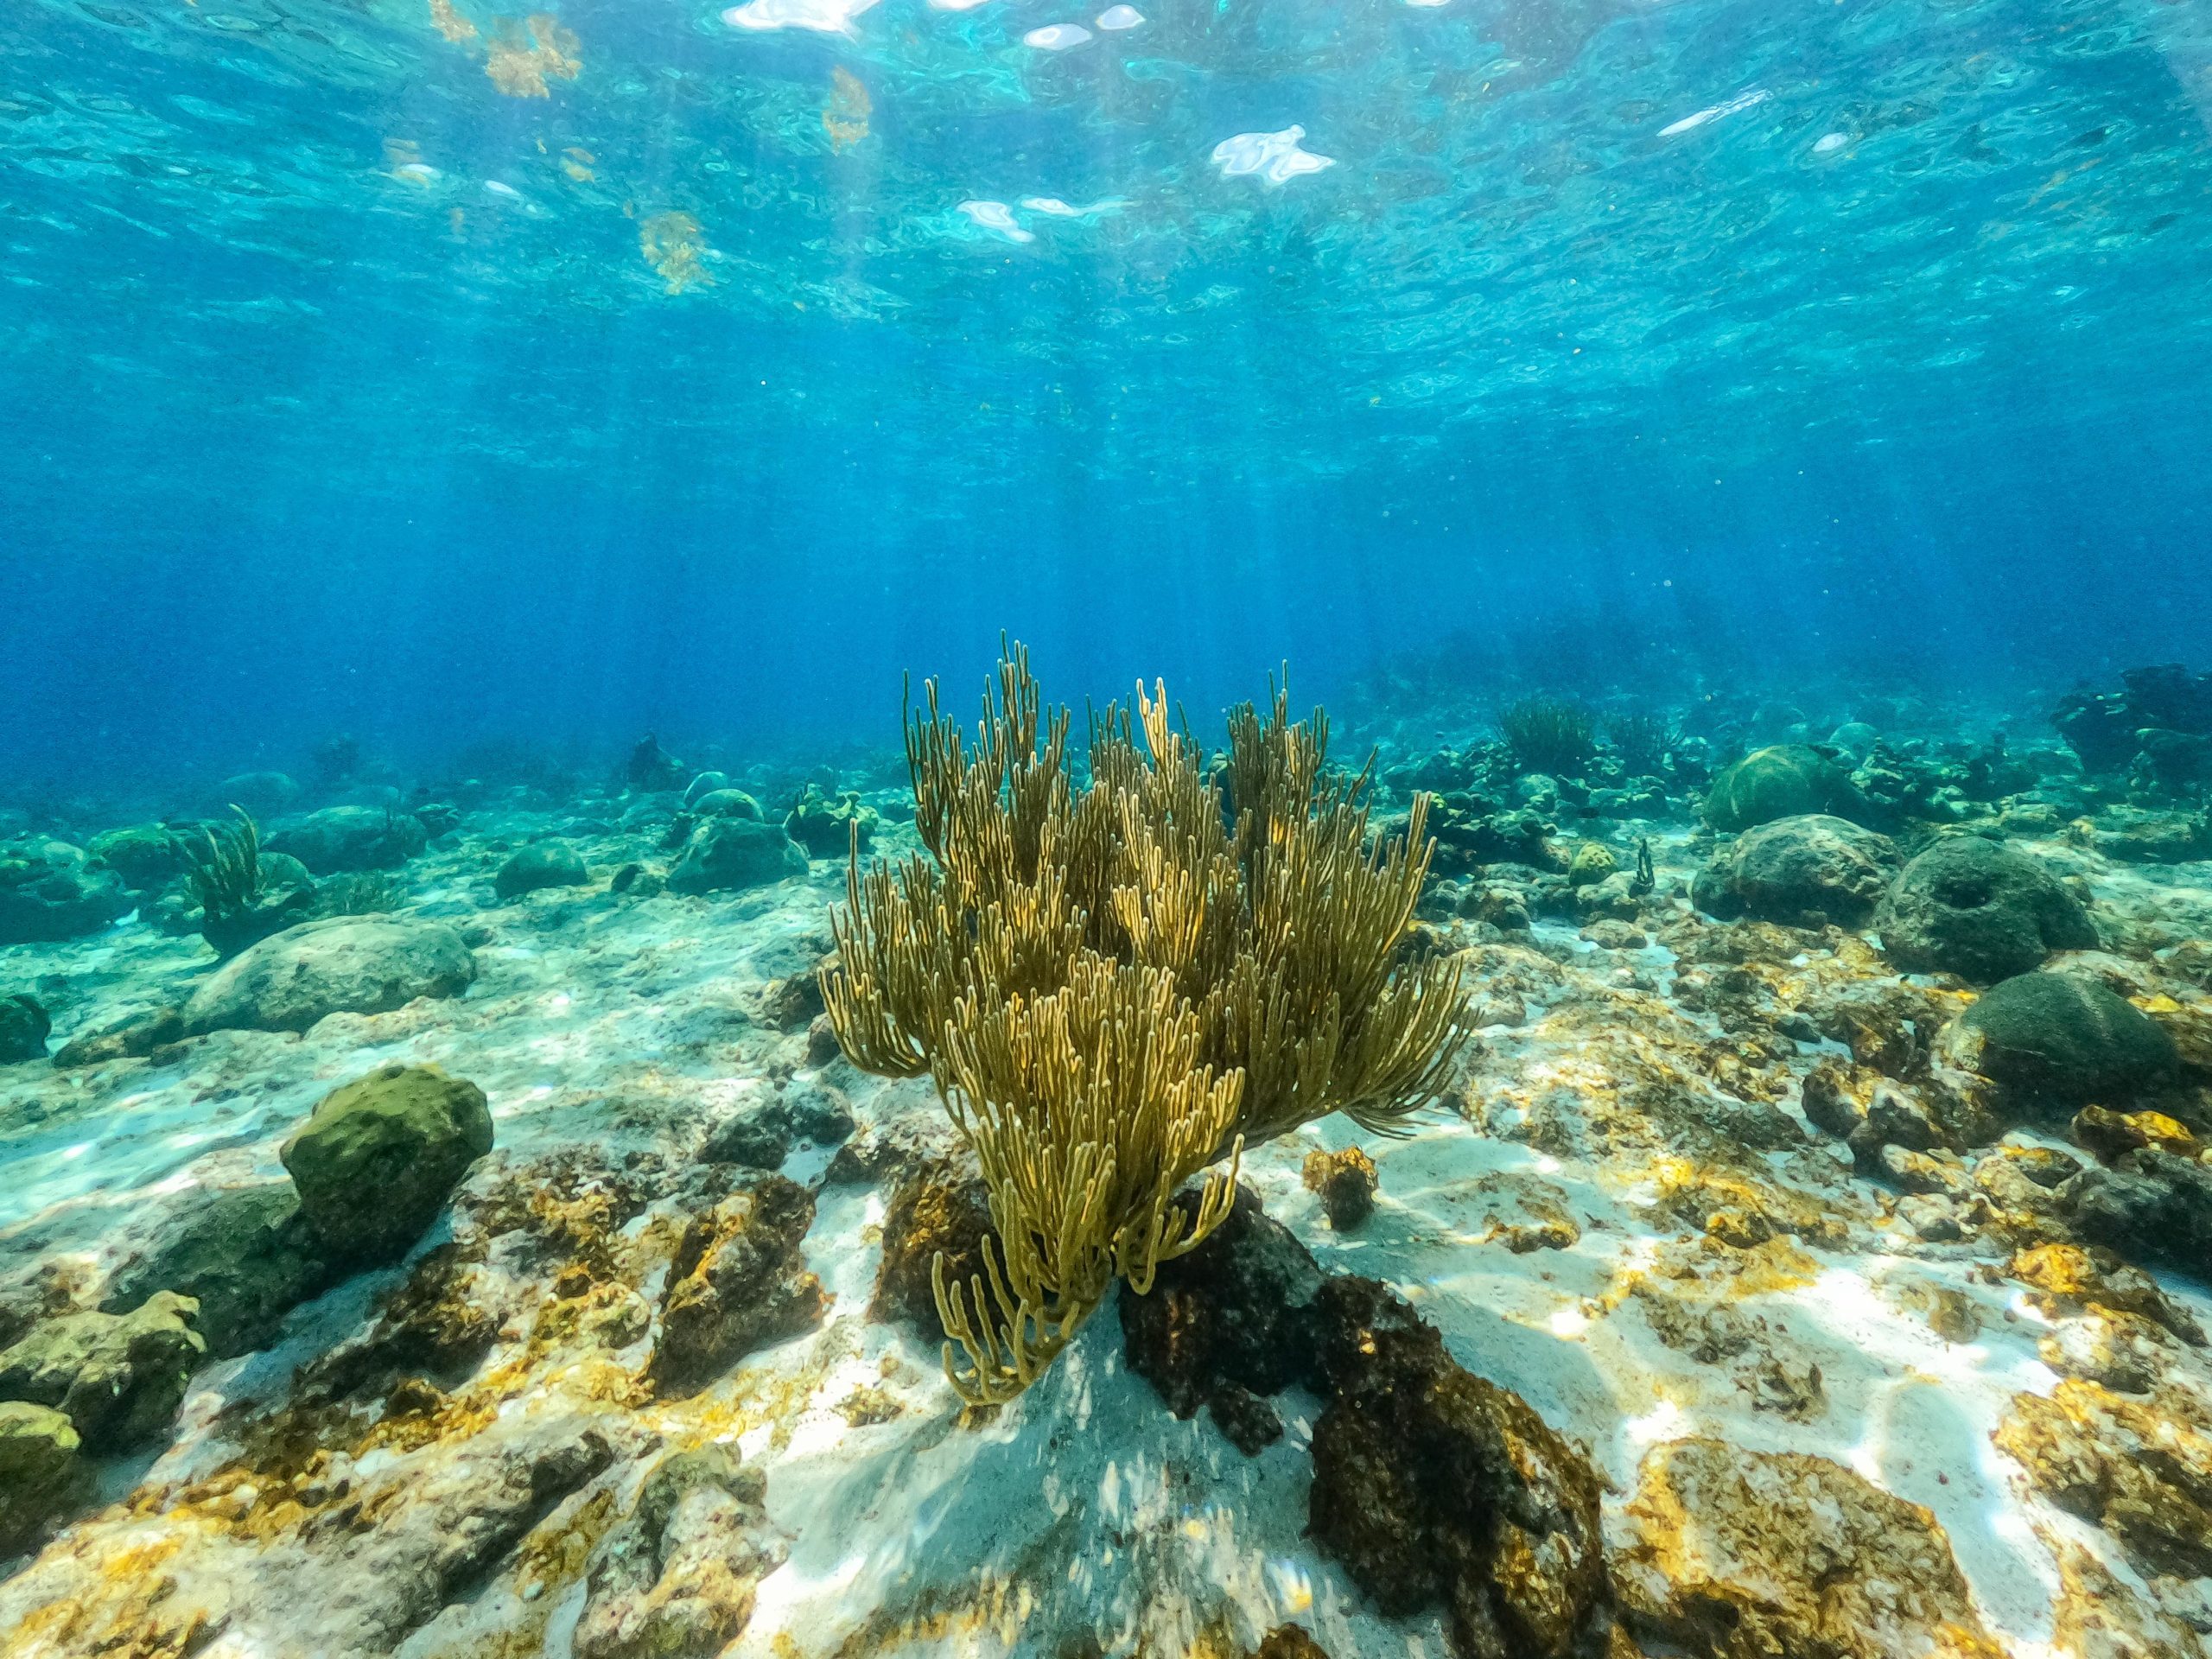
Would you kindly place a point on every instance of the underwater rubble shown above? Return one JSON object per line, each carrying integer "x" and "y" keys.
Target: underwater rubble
{"x": 446, "y": 1219}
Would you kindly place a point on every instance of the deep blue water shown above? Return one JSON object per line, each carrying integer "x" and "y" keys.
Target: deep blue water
{"x": 346, "y": 386}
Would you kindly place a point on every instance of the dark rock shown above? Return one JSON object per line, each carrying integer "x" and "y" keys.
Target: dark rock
{"x": 2150, "y": 1206}
{"x": 1784, "y": 781}
{"x": 1801, "y": 872}
{"x": 540, "y": 865}
{"x": 1288, "y": 1642}
{"x": 821, "y": 1044}
{"x": 1434, "y": 1486}
{"x": 788, "y": 1004}
{"x": 2051, "y": 1037}
{"x": 245, "y": 1256}
{"x": 134, "y": 1036}
{"x": 1236, "y": 1311}
{"x": 49, "y": 891}
{"x": 1832, "y": 1099}
{"x": 939, "y": 1207}
{"x": 345, "y": 838}
{"x": 738, "y": 1283}
{"x": 2103, "y": 729}
{"x": 42, "y": 1477}
{"x": 818, "y": 1113}
{"x": 1973, "y": 908}
{"x": 376, "y": 1161}
{"x": 1344, "y": 1182}
{"x": 734, "y": 853}
{"x": 118, "y": 1377}
{"x": 759, "y": 1137}
{"x": 827, "y": 828}
{"x": 2113, "y": 1135}
{"x": 23, "y": 1028}
{"x": 1247, "y": 1421}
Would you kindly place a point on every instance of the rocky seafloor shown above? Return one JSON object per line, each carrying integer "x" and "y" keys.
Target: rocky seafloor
{"x": 1809, "y": 1259}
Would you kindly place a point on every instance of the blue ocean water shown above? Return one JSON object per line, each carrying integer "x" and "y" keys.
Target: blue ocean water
{"x": 410, "y": 368}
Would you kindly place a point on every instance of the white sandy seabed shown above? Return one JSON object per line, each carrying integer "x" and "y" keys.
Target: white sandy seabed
{"x": 1086, "y": 1511}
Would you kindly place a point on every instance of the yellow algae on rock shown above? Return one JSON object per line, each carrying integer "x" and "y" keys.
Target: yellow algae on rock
{"x": 846, "y": 110}
{"x": 526, "y": 51}
{"x": 1738, "y": 1553}
{"x": 671, "y": 244}
{"x": 2141, "y": 1468}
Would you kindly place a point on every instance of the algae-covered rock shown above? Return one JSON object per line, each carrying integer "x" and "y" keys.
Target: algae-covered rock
{"x": 1738, "y": 1551}
{"x": 42, "y": 1477}
{"x": 245, "y": 1256}
{"x": 542, "y": 864}
{"x": 144, "y": 854}
{"x": 938, "y": 1208}
{"x": 23, "y": 1028}
{"x": 351, "y": 965}
{"x": 729, "y": 853}
{"x": 1975, "y": 907}
{"x": 1800, "y": 871}
{"x": 2056, "y": 1038}
{"x": 50, "y": 890}
{"x": 1591, "y": 863}
{"x": 2141, "y": 1468}
{"x": 1344, "y": 1182}
{"x": 118, "y": 1377}
{"x": 346, "y": 838}
{"x": 826, "y": 827}
{"x": 2151, "y": 1204}
{"x": 738, "y": 1282}
{"x": 1787, "y": 780}
{"x": 377, "y": 1159}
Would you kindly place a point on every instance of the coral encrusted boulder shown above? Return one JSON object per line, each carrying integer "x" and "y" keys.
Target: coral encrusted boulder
{"x": 1786, "y": 781}
{"x": 246, "y": 1255}
{"x": 730, "y": 853}
{"x": 49, "y": 890}
{"x": 1973, "y": 908}
{"x": 343, "y": 964}
{"x": 1800, "y": 871}
{"x": 2056, "y": 1039}
{"x": 376, "y": 1162}
{"x": 23, "y": 1028}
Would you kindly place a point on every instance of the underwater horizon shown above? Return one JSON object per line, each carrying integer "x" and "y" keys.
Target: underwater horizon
{"x": 1186, "y": 829}
{"x": 422, "y": 376}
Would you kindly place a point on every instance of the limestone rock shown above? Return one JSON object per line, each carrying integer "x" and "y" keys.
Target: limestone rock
{"x": 376, "y": 1161}
{"x": 1738, "y": 1552}
{"x": 2055, "y": 1039}
{"x": 341, "y": 838}
{"x": 738, "y": 1282}
{"x": 676, "y": 1579}
{"x": 118, "y": 1377}
{"x": 42, "y": 1476}
{"x": 245, "y": 1256}
{"x": 132, "y": 1036}
{"x": 1785, "y": 781}
{"x": 2139, "y": 1466}
{"x": 351, "y": 964}
{"x": 1801, "y": 872}
{"x": 540, "y": 865}
{"x": 725, "y": 853}
{"x": 1973, "y": 908}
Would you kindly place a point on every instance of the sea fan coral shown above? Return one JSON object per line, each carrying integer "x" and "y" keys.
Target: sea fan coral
{"x": 1115, "y": 985}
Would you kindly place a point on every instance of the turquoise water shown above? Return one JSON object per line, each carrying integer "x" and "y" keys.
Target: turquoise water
{"x": 442, "y": 375}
